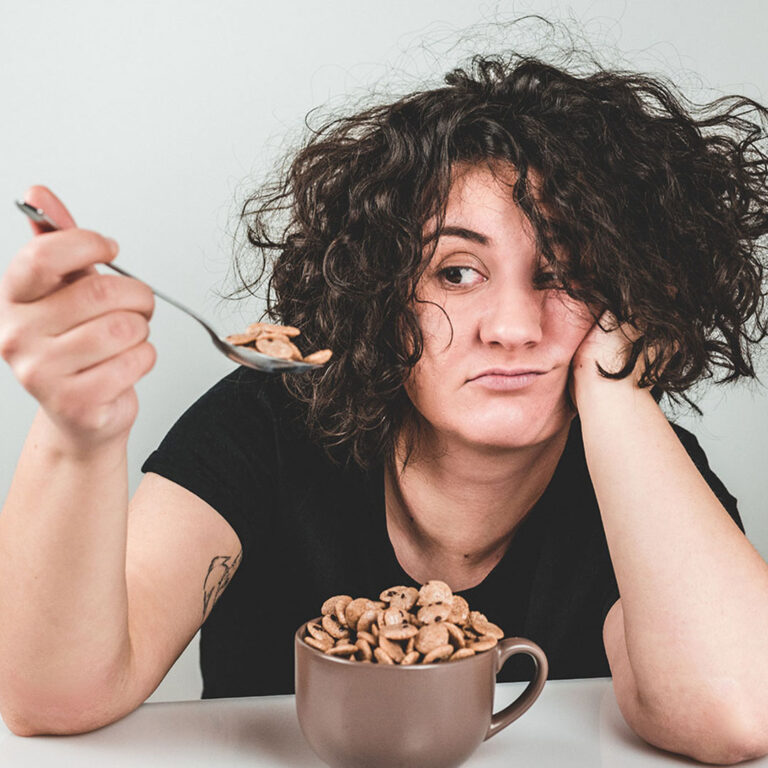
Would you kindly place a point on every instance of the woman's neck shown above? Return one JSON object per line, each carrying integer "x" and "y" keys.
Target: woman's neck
{"x": 452, "y": 513}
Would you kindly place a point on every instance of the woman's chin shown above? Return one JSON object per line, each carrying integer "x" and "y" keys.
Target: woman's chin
{"x": 508, "y": 434}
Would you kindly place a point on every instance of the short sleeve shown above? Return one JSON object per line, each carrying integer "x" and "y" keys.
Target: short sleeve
{"x": 222, "y": 450}
{"x": 699, "y": 458}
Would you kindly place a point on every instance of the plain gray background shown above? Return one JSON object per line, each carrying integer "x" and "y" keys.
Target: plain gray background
{"x": 153, "y": 120}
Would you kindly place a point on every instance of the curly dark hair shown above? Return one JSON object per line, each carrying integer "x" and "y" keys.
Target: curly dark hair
{"x": 659, "y": 215}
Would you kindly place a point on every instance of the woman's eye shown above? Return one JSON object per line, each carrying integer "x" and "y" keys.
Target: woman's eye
{"x": 460, "y": 276}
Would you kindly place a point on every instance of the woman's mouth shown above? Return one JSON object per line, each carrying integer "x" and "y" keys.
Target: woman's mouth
{"x": 505, "y": 382}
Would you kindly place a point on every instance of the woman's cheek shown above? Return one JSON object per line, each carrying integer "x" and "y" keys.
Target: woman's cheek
{"x": 436, "y": 329}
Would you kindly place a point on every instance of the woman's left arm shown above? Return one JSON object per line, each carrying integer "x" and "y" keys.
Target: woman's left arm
{"x": 688, "y": 640}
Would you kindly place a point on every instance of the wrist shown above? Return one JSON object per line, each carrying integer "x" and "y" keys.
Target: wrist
{"x": 603, "y": 396}
{"x": 58, "y": 446}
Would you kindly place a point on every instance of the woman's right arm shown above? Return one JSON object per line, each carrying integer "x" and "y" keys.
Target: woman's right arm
{"x": 98, "y": 597}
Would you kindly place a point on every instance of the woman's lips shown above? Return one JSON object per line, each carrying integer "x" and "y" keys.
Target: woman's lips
{"x": 505, "y": 382}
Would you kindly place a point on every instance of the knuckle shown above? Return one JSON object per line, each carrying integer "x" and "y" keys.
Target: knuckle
{"x": 34, "y": 261}
{"x": 29, "y": 375}
{"x": 94, "y": 241}
{"x": 133, "y": 364}
{"x": 100, "y": 289}
{"x": 127, "y": 326}
{"x": 10, "y": 341}
{"x": 148, "y": 357}
{"x": 149, "y": 299}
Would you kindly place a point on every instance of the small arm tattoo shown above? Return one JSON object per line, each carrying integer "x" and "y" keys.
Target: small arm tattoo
{"x": 220, "y": 573}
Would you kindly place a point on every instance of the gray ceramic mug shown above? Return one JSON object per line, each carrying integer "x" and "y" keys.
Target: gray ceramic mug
{"x": 426, "y": 715}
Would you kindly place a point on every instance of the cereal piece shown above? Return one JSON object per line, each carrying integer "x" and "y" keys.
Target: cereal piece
{"x": 457, "y": 636}
{"x": 382, "y": 656}
{"x": 431, "y": 636}
{"x": 240, "y": 339}
{"x": 277, "y": 346}
{"x": 374, "y": 629}
{"x": 316, "y": 630}
{"x": 343, "y": 649}
{"x": 364, "y": 649}
{"x": 410, "y": 658}
{"x": 367, "y": 636}
{"x": 459, "y": 611}
{"x": 391, "y": 617}
{"x": 403, "y": 631}
{"x": 438, "y": 654}
{"x": 368, "y": 620}
{"x": 393, "y": 650}
{"x": 400, "y": 597}
{"x": 410, "y": 645}
{"x": 435, "y": 592}
{"x": 355, "y": 609}
{"x": 433, "y": 612}
{"x": 482, "y": 626}
{"x": 321, "y": 645}
{"x": 339, "y": 609}
{"x": 259, "y": 329}
{"x": 329, "y": 606}
{"x": 462, "y": 653}
{"x": 485, "y": 643}
{"x": 333, "y": 628}
{"x": 320, "y": 357}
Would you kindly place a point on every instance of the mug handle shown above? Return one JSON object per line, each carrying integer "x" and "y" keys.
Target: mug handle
{"x": 523, "y": 702}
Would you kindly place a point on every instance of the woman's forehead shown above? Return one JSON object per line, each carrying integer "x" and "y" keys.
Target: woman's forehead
{"x": 480, "y": 201}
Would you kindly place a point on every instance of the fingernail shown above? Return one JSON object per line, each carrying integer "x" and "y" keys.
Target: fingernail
{"x": 114, "y": 247}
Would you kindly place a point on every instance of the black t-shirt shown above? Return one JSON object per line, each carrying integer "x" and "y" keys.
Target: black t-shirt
{"x": 310, "y": 529}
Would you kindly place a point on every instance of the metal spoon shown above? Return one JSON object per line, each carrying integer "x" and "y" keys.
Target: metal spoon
{"x": 243, "y": 355}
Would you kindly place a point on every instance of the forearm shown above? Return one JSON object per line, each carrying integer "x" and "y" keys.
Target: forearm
{"x": 694, "y": 591}
{"x": 63, "y": 606}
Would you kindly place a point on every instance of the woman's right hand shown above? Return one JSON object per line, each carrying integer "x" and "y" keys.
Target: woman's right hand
{"x": 75, "y": 339}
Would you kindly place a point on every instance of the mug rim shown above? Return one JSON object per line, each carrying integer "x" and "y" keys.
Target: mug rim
{"x": 336, "y": 660}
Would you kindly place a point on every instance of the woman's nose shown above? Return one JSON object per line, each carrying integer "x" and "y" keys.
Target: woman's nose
{"x": 513, "y": 317}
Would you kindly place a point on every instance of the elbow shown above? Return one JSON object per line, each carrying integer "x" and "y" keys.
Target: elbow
{"x": 722, "y": 732}
{"x": 729, "y": 750}
{"x": 17, "y": 724}
{"x": 748, "y": 745}
{"x": 50, "y": 723}
{"x": 58, "y": 718}
{"x": 72, "y": 704}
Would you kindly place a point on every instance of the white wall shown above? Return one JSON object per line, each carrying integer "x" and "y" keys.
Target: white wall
{"x": 152, "y": 119}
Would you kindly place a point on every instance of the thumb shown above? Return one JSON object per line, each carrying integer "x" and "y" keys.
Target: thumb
{"x": 42, "y": 197}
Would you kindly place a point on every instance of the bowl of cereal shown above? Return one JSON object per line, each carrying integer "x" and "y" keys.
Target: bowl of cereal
{"x": 406, "y": 679}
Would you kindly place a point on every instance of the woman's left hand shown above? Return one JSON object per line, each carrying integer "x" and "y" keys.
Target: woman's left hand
{"x": 610, "y": 349}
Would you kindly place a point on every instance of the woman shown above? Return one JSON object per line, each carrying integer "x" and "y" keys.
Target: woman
{"x": 511, "y": 271}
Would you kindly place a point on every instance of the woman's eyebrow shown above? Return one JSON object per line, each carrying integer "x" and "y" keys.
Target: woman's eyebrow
{"x": 467, "y": 234}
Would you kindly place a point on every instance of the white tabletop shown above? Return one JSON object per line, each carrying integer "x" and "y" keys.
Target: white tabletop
{"x": 573, "y": 723}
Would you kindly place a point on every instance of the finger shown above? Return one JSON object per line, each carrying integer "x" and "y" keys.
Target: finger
{"x": 84, "y": 300}
{"x": 106, "y": 381}
{"x": 97, "y": 340}
{"x": 42, "y": 265}
{"x": 42, "y": 197}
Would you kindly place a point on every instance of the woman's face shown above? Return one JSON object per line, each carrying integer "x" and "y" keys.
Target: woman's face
{"x": 471, "y": 387}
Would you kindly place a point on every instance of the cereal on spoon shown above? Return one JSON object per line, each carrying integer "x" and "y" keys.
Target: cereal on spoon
{"x": 275, "y": 340}
{"x": 404, "y": 626}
